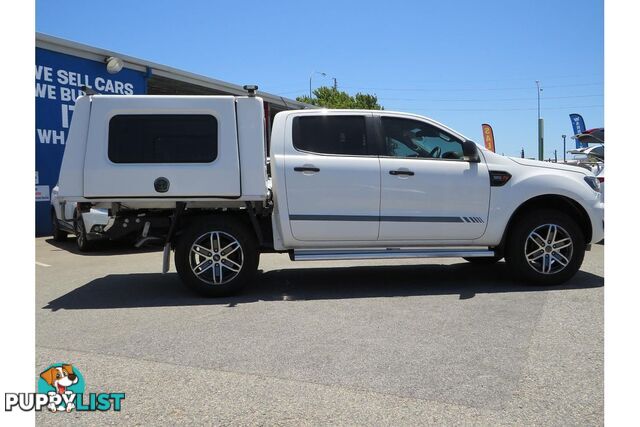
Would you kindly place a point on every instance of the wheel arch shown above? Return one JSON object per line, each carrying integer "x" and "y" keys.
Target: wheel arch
{"x": 241, "y": 216}
{"x": 556, "y": 202}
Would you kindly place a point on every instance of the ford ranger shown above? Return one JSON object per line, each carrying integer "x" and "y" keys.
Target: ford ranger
{"x": 202, "y": 174}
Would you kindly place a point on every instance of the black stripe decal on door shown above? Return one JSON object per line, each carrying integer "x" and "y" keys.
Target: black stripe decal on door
{"x": 333, "y": 218}
{"x": 421, "y": 219}
{"x": 375, "y": 218}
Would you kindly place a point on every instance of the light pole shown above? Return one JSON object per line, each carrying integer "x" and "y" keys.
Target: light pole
{"x": 310, "y": 77}
{"x": 538, "y": 86}
{"x": 564, "y": 148}
{"x": 540, "y": 125}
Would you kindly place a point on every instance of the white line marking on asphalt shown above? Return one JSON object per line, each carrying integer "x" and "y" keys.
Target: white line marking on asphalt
{"x": 42, "y": 264}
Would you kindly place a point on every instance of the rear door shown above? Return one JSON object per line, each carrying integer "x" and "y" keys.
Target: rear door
{"x": 162, "y": 146}
{"x": 332, "y": 178}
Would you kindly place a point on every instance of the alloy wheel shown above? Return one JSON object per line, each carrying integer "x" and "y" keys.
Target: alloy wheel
{"x": 548, "y": 249}
{"x": 216, "y": 257}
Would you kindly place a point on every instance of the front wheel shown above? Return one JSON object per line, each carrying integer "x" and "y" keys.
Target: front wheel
{"x": 545, "y": 247}
{"x": 217, "y": 256}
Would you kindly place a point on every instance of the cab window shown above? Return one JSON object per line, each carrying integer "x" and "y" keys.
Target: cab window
{"x": 327, "y": 134}
{"x": 412, "y": 138}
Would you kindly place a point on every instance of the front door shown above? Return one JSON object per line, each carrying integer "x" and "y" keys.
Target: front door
{"x": 428, "y": 191}
{"x": 332, "y": 179}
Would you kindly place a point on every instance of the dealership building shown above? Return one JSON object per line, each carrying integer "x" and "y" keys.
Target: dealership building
{"x": 63, "y": 67}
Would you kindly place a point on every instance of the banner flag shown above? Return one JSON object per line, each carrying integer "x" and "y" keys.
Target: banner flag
{"x": 578, "y": 127}
{"x": 489, "y": 141}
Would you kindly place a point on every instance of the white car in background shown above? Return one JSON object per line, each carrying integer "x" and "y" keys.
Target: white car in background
{"x": 600, "y": 176}
{"x": 594, "y": 161}
{"x": 87, "y": 227}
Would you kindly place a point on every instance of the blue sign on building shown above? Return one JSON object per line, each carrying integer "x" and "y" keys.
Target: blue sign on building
{"x": 59, "y": 78}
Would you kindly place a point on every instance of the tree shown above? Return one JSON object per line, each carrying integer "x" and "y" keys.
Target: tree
{"x": 330, "y": 97}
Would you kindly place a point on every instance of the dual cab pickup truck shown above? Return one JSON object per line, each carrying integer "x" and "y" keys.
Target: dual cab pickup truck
{"x": 200, "y": 173}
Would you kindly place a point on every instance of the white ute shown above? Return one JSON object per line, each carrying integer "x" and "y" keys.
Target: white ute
{"x": 337, "y": 184}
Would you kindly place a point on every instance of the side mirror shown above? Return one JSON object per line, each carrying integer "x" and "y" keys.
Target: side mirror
{"x": 470, "y": 152}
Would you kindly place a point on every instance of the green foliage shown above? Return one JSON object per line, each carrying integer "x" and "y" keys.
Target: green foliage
{"x": 330, "y": 97}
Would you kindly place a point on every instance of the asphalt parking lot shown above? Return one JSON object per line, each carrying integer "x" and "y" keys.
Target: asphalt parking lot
{"x": 435, "y": 341}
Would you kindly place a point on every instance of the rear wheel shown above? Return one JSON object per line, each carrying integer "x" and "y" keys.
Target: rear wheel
{"x": 58, "y": 234}
{"x": 217, "y": 256}
{"x": 545, "y": 247}
{"x": 84, "y": 245}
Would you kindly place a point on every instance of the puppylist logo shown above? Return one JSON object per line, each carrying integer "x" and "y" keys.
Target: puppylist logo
{"x": 61, "y": 389}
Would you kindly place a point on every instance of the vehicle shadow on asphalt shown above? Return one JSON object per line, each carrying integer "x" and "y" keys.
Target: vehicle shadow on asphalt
{"x": 103, "y": 248}
{"x": 302, "y": 284}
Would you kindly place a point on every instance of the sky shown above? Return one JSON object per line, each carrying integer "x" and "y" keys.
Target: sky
{"x": 460, "y": 62}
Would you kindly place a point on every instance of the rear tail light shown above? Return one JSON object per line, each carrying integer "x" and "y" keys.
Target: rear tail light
{"x": 601, "y": 179}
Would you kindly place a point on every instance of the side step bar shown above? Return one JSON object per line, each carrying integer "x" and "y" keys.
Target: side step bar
{"x": 388, "y": 253}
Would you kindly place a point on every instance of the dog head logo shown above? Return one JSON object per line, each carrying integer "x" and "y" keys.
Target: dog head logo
{"x": 60, "y": 377}
{"x": 65, "y": 382}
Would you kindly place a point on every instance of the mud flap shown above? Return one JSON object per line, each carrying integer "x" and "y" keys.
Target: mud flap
{"x": 180, "y": 207}
{"x": 165, "y": 257}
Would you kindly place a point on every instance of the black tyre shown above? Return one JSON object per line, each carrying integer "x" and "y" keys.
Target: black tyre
{"x": 217, "y": 256}
{"x": 58, "y": 235}
{"x": 84, "y": 245}
{"x": 545, "y": 247}
{"x": 484, "y": 260}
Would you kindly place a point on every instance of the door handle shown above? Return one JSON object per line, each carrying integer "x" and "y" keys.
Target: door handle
{"x": 306, "y": 169}
{"x": 402, "y": 172}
